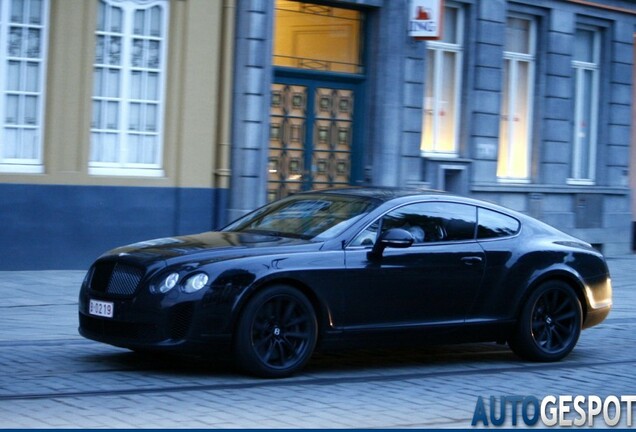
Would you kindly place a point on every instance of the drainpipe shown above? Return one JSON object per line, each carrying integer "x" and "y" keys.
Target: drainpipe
{"x": 222, "y": 172}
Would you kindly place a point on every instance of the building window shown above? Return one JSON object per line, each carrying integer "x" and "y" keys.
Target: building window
{"x": 317, "y": 37}
{"x": 128, "y": 88}
{"x": 516, "y": 106}
{"x": 440, "y": 129}
{"x": 585, "y": 65}
{"x": 23, "y": 41}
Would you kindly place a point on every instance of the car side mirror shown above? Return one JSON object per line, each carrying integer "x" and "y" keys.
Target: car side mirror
{"x": 395, "y": 238}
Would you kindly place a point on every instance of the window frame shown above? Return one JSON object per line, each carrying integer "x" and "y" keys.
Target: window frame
{"x": 439, "y": 48}
{"x": 124, "y": 96}
{"x": 378, "y": 220}
{"x": 506, "y": 237}
{"x": 293, "y": 60}
{"x": 511, "y": 92}
{"x": 24, "y": 165}
{"x": 579, "y": 68}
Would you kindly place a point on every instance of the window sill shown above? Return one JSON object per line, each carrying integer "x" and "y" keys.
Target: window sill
{"x": 439, "y": 156}
{"x": 546, "y": 189}
{"x": 126, "y": 172}
{"x": 505, "y": 180}
{"x": 580, "y": 182}
{"x": 21, "y": 169}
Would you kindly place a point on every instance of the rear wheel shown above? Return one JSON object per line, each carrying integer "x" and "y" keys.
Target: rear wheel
{"x": 550, "y": 323}
{"x": 276, "y": 333}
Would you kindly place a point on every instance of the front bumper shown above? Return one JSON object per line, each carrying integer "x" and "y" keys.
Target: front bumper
{"x": 174, "y": 321}
{"x": 173, "y": 330}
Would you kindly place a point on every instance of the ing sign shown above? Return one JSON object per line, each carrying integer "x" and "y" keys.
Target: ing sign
{"x": 425, "y": 19}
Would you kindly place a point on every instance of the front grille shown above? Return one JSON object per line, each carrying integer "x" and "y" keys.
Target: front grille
{"x": 124, "y": 280}
{"x": 100, "y": 276}
{"x": 115, "y": 278}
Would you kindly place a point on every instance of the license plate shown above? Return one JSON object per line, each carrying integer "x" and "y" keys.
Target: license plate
{"x": 101, "y": 308}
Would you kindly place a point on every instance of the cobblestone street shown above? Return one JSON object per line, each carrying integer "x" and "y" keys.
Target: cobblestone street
{"x": 53, "y": 378}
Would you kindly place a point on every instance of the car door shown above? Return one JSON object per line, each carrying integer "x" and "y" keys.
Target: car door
{"x": 434, "y": 281}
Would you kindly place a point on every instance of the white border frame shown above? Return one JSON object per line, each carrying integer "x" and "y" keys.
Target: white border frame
{"x": 516, "y": 58}
{"x": 579, "y": 68}
{"x": 17, "y": 165}
{"x": 439, "y": 48}
{"x": 121, "y": 168}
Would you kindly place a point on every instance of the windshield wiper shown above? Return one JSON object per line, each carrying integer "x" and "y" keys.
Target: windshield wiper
{"x": 278, "y": 234}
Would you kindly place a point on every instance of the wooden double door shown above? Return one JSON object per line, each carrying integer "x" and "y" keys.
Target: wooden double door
{"x": 313, "y": 136}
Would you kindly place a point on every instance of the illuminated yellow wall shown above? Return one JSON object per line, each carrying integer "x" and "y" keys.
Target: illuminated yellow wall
{"x": 316, "y": 37}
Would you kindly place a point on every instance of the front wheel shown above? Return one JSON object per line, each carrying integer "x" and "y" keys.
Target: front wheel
{"x": 276, "y": 333}
{"x": 549, "y": 325}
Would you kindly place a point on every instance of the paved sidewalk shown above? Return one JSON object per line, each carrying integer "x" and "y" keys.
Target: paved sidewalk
{"x": 50, "y": 377}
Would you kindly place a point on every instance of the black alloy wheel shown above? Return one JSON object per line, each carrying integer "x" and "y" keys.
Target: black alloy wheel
{"x": 550, "y": 323}
{"x": 276, "y": 333}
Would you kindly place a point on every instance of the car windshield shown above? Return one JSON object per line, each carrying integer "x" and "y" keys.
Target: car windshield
{"x": 317, "y": 217}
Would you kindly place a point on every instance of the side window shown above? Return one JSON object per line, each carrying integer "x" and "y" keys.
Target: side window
{"x": 428, "y": 222}
{"x": 493, "y": 224}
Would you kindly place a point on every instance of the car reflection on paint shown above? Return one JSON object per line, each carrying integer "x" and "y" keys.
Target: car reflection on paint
{"x": 326, "y": 268}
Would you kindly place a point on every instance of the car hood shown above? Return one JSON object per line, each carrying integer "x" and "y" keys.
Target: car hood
{"x": 208, "y": 246}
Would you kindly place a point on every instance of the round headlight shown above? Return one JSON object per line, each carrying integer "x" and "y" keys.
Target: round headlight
{"x": 195, "y": 283}
{"x": 169, "y": 283}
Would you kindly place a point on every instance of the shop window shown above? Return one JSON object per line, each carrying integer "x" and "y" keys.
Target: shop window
{"x": 317, "y": 37}
{"x": 440, "y": 129}
{"x": 515, "y": 127}
{"x": 128, "y": 88}
{"x": 23, "y": 41}
{"x": 585, "y": 65}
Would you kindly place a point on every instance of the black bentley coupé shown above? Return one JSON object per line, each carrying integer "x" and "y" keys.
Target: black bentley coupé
{"x": 350, "y": 265}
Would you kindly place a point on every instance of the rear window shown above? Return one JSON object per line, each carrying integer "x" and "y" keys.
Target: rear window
{"x": 492, "y": 224}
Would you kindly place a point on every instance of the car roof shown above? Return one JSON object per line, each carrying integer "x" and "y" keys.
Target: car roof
{"x": 382, "y": 193}
{"x": 385, "y": 194}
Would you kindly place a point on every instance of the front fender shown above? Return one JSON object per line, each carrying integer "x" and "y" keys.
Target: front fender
{"x": 313, "y": 273}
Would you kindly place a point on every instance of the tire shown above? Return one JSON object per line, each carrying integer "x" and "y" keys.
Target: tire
{"x": 549, "y": 325}
{"x": 276, "y": 333}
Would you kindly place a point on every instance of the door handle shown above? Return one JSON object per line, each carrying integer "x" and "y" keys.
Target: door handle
{"x": 472, "y": 260}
